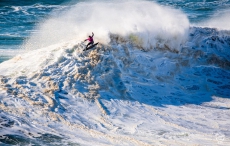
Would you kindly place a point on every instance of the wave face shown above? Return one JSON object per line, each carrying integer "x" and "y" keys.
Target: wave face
{"x": 117, "y": 93}
{"x": 154, "y": 79}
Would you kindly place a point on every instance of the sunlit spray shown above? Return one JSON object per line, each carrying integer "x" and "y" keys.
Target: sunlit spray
{"x": 153, "y": 25}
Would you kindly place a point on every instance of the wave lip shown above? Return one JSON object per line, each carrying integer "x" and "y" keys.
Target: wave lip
{"x": 148, "y": 22}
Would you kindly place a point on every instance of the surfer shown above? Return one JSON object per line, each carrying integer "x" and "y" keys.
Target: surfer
{"x": 90, "y": 39}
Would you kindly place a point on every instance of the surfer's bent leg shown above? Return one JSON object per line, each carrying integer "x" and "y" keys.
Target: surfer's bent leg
{"x": 90, "y": 43}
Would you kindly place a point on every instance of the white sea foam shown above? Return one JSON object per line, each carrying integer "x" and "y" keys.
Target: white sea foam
{"x": 153, "y": 25}
{"x": 11, "y": 52}
{"x": 117, "y": 94}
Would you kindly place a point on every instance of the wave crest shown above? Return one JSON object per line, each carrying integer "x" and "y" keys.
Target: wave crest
{"x": 151, "y": 23}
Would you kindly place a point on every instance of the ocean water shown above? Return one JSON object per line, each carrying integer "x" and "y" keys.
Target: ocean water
{"x": 19, "y": 19}
{"x": 159, "y": 76}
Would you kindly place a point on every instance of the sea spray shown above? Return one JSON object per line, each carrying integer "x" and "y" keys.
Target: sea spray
{"x": 220, "y": 21}
{"x": 151, "y": 24}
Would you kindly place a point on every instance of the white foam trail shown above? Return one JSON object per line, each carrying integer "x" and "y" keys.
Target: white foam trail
{"x": 11, "y": 52}
{"x": 149, "y": 21}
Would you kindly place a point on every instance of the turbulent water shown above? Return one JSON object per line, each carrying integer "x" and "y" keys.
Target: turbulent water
{"x": 160, "y": 74}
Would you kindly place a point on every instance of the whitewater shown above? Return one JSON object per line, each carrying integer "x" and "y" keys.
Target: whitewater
{"x": 155, "y": 78}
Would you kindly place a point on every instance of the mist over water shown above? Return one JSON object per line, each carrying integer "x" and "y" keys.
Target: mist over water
{"x": 153, "y": 25}
{"x": 40, "y": 23}
{"x": 220, "y": 21}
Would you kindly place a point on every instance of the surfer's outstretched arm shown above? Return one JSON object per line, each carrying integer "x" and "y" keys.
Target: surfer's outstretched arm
{"x": 92, "y": 34}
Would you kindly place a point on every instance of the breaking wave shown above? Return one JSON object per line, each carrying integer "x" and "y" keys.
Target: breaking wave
{"x": 150, "y": 68}
{"x": 148, "y": 24}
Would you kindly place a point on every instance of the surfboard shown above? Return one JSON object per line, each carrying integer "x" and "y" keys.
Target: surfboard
{"x": 90, "y": 47}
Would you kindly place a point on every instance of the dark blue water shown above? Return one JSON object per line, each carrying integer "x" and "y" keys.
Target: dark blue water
{"x": 19, "y": 18}
{"x": 198, "y": 10}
